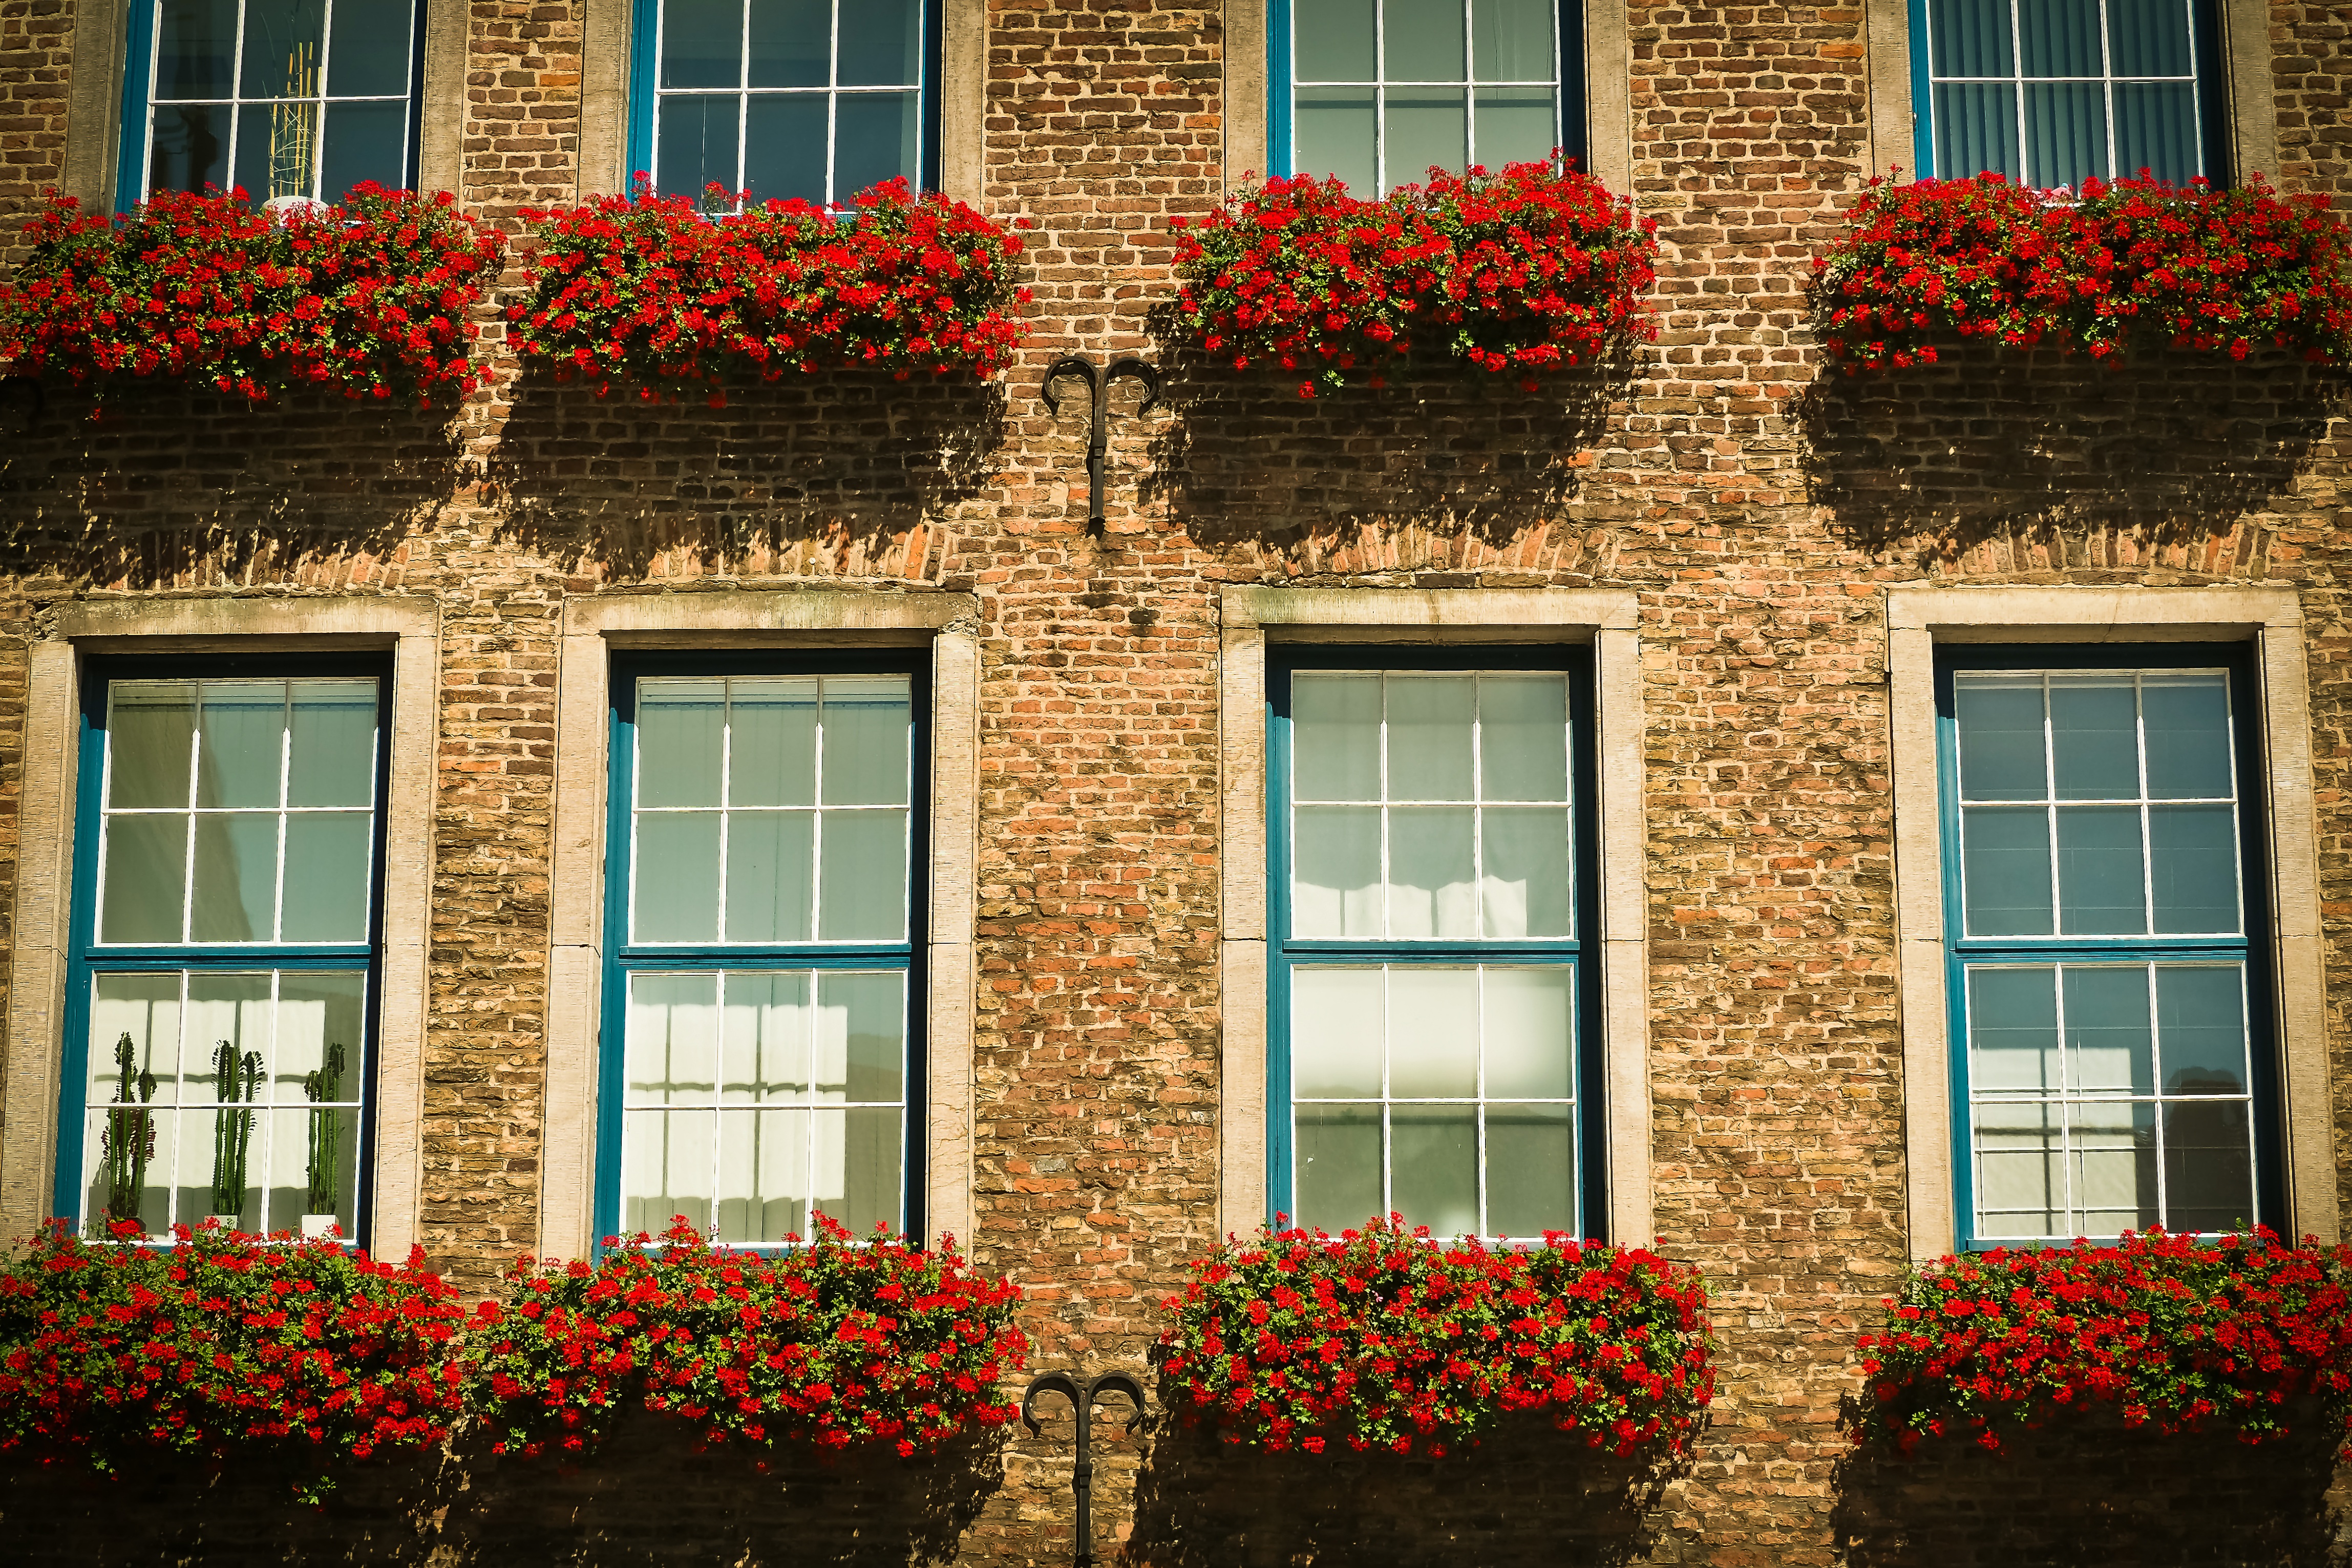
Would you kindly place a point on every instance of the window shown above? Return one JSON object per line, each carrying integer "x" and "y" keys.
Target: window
{"x": 1432, "y": 887}
{"x": 285, "y": 98}
{"x": 2053, "y": 92}
{"x": 760, "y": 1001}
{"x": 221, "y": 997}
{"x": 810, "y": 99}
{"x": 1376, "y": 91}
{"x": 2102, "y": 823}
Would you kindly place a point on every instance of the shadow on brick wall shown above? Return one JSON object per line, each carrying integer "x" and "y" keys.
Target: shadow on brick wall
{"x": 1528, "y": 1494}
{"x": 166, "y": 481}
{"x": 1986, "y": 442}
{"x": 831, "y": 471}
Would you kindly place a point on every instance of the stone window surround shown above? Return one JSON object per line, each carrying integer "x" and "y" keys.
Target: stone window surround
{"x": 409, "y": 628}
{"x": 593, "y": 629}
{"x": 1919, "y": 618}
{"x": 1606, "y": 618}
{"x": 94, "y": 99}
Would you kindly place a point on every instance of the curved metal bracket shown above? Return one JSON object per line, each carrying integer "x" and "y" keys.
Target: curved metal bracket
{"x": 1098, "y": 379}
{"x": 1084, "y": 1396}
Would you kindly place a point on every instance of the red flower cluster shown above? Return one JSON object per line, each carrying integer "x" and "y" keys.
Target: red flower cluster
{"x": 2134, "y": 263}
{"x": 836, "y": 1344}
{"x": 649, "y": 291}
{"x": 1382, "y": 1338}
{"x": 222, "y": 1341}
{"x": 370, "y": 297}
{"x": 2175, "y": 1332}
{"x": 1518, "y": 274}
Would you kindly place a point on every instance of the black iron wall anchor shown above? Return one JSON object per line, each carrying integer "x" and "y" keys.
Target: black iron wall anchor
{"x": 1098, "y": 378}
{"x": 1083, "y": 1395}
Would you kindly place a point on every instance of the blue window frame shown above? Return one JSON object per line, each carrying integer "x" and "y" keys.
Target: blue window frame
{"x": 2114, "y": 1062}
{"x": 764, "y": 994}
{"x": 807, "y": 100}
{"x": 1434, "y": 1048}
{"x": 2053, "y": 92}
{"x": 1376, "y": 91}
{"x": 220, "y": 1003}
{"x": 285, "y": 98}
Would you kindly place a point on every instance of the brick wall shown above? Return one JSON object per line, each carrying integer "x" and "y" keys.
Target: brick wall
{"x": 37, "y": 42}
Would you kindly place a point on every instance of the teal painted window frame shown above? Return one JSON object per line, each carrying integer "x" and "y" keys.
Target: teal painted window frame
{"x": 1580, "y": 953}
{"x": 87, "y": 959}
{"x": 2267, "y": 1098}
{"x": 622, "y": 957}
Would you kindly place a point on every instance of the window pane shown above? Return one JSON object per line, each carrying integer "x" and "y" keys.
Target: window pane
{"x": 1975, "y": 130}
{"x": 2156, "y": 130}
{"x": 235, "y": 893}
{"x": 1335, "y": 736}
{"x": 772, "y": 741}
{"x": 2094, "y": 738}
{"x": 2208, "y": 1175}
{"x": 2065, "y": 132}
{"x": 1433, "y": 1032}
{"x": 666, "y": 1168}
{"x": 1337, "y": 881}
{"x": 327, "y": 883}
{"x": 1510, "y": 40}
{"x": 241, "y": 753}
{"x": 1433, "y": 1167}
{"x": 1430, "y": 891}
{"x": 857, "y": 1171}
{"x": 2115, "y": 1167}
{"x": 365, "y": 141}
{"x": 2000, "y": 725}
{"x": 139, "y": 1186}
{"x": 1337, "y": 1021}
{"x": 792, "y": 43}
{"x": 149, "y": 726}
{"x": 1428, "y": 727}
{"x": 681, "y": 731}
{"x": 227, "y": 1013}
{"x": 2100, "y": 888}
{"x": 1331, "y": 40}
{"x": 698, "y": 145}
{"x": 1528, "y": 1037}
{"x": 765, "y": 1037}
{"x": 2059, "y": 37}
{"x": 2005, "y": 866}
{"x": 866, "y": 734}
{"x": 877, "y": 136}
{"x": 1333, "y": 135}
{"x": 863, "y": 869}
{"x": 369, "y": 48}
{"x": 146, "y": 1008}
{"x": 2021, "y": 1171}
{"x": 784, "y": 149}
{"x": 189, "y": 150}
{"x": 762, "y": 1175}
{"x": 314, "y": 1155}
{"x": 2201, "y": 1028}
{"x": 1525, "y": 890}
{"x": 1338, "y": 1164}
{"x": 672, "y": 1045}
{"x": 1971, "y": 38}
{"x": 2188, "y": 722}
{"x": 677, "y": 876}
{"x": 196, "y": 54}
{"x": 771, "y": 866}
{"x": 1530, "y": 1169}
{"x": 321, "y": 1037}
{"x": 2193, "y": 867}
{"x": 1523, "y": 735}
{"x": 2013, "y": 1032}
{"x": 861, "y": 1032}
{"x": 331, "y": 749}
{"x": 2148, "y": 37}
{"x": 143, "y": 886}
{"x": 1422, "y": 40}
{"x": 283, "y": 45}
{"x": 2109, "y": 1047}
{"x": 1424, "y": 128}
{"x": 701, "y": 46}
{"x": 881, "y": 43}
{"x": 1515, "y": 125}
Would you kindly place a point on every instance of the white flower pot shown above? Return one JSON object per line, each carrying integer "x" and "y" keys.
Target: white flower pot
{"x": 317, "y": 1227}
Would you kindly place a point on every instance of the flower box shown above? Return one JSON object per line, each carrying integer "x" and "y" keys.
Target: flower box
{"x": 1517, "y": 276}
{"x": 653, "y": 294}
{"x": 1384, "y": 1338}
{"x": 369, "y": 297}
{"x": 2128, "y": 265}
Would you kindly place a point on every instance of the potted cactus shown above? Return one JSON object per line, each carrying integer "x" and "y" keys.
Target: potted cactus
{"x": 240, "y": 1080}
{"x": 320, "y": 1173}
{"x": 129, "y": 1141}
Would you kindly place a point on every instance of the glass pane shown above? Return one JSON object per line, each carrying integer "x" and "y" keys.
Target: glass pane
{"x": 1530, "y": 1169}
{"x": 1332, "y": 134}
{"x": 865, "y": 730}
{"x": 701, "y": 44}
{"x": 1433, "y": 1032}
{"x": 1336, "y": 1024}
{"x": 1526, "y": 891}
{"x": 189, "y": 149}
{"x": 861, "y": 1033}
{"x": 770, "y": 875}
{"x": 676, "y": 876}
{"x": 2115, "y": 1167}
{"x": 235, "y": 893}
{"x": 856, "y": 1160}
{"x": 267, "y": 129}
{"x": 2209, "y": 1174}
{"x": 327, "y": 881}
{"x": 881, "y": 43}
{"x": 1332, "y": 41}
{"x": 149, "y": 725}
{"x": 1338, "y": 1164}
{"x": 1434, "y": 1167}
{"x": 2148, "y": 37}
{"x": 229, "y": 1012}
{"x": 772, "y": 741}
{"x": 1429, "y": 734}
{"x": 196, "y": 54}
{"x": 242, "y": 750}
{"x": 1523, "y": 733}
{"x": 368, "y": 48}
{"x": 1424, "y": 128}
{"x": 365, "y": 141}
{"x": 764, "y": 1172}
{"x": 1999, "y": 726}
{"x": 1510, "y": 40}
{"x": 144, "y": 1009}
{"x": 667, "y": 1173}
{"x": 862, "y": 866}
{"x": 2065, "y": 134}
{"x": 321, "y": 1037}
{"x": 2013, "y": 1032}
{"x": 144, "y": 886}
{"x": 1971, "y": 37}
{"x": 2100, "y": 888}
{"x": 784, "y": 149}
{"x": 698, "y": 145}
{"x": 284, "y": 40}
{"x": 2201, "y": 1019}
{"x": 1422, "y": 41}
{"x": 877, "y": 136}
{"x": 1336, "y": 889}
{"x": 2093, "y": 738}
{"x": 672, "y": 1040}
{"x": 1334, "y": 737}
{"x": 1515, "y": 125}
{"x": 204, "y": 1141}
{"x": 765, "y": 1037}
{"x": 2187, "y": 722}
{"x": 1430, "y": 891}
{"x": 681, "y": 732}
{"x": 2193, "y": 867}
{"x": 314, "y": 1157}
{"x": 2005, "y": 868}
{"x": 2060, "y": 38}
{"x": 2021, "y": 1171}
{"x": 2109, "y": 1049}
{"x": 2156, "y": 130}
{"x": 1975, "y": 130}
{"x": 1528, "y": 1037}
{"x": 330, "y": 757}
{"x": 792, "y": 43}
